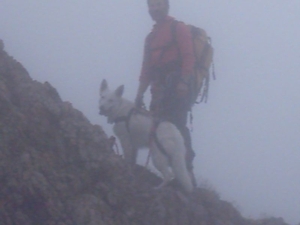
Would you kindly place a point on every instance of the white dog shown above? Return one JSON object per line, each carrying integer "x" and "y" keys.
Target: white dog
{"x": 136, "y": 129}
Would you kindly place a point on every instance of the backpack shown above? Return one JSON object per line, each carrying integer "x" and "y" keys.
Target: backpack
{"x": 203, "y": 51}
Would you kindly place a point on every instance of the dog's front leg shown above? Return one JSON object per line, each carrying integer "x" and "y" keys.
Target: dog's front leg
{"x": 129, "y": 151}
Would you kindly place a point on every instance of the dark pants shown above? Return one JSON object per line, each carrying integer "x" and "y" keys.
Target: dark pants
{"x": 166, "y": 105}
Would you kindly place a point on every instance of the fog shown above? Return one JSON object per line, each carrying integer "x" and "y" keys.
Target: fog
{"x": 246, "y": 137}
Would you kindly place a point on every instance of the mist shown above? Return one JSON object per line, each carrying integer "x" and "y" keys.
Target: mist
{"x": 246, "y": 137}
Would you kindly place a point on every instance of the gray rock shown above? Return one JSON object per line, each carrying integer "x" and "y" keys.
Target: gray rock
{"x": 58, "y": 168}
{"x": 1, "y": 45}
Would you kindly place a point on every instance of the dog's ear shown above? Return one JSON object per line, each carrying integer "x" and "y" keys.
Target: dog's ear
{"x": 119, "y": 91}
{"x": 103, "y": 86}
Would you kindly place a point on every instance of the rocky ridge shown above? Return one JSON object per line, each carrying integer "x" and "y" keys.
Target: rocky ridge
{"x": 56, "y": 168}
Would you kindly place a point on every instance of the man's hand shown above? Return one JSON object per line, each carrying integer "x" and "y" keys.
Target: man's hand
{"x": 139, "y": 102}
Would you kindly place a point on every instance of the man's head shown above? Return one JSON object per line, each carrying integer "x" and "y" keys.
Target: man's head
{"x": 158, "y": 9}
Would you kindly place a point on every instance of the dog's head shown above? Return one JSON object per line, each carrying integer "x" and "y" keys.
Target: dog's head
{"x": 109, "y": 100}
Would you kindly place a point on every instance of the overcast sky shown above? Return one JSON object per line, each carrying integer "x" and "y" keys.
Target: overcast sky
{"x": 246, "y": 137}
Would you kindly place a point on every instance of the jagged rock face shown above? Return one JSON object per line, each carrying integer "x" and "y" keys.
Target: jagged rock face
{"x": 58, "y": 169}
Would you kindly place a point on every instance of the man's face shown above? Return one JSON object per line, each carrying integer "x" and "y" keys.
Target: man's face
{"x": 158, "y": 9}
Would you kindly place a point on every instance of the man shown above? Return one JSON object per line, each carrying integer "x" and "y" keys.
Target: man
{"x": 167, "y": 68}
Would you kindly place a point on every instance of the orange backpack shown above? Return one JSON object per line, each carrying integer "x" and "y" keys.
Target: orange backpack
{"x": 203, "y": 51}
{"x": 204, "y": 60}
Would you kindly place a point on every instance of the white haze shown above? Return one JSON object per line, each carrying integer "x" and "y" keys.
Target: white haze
{"x": 246, "y": 137}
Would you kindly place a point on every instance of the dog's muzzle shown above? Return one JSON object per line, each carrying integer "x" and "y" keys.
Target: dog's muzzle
{"x": 102, "y": 111}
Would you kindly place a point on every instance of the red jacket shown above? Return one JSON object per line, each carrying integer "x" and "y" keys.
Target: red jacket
{"x": 161, "y": 36}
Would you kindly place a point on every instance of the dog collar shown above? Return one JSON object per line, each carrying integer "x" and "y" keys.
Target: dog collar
{"x": 125, "y": 118}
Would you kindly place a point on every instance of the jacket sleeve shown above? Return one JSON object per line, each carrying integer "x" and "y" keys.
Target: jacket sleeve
{"x": 144, "y": 76}
{"x": 186, "y": 50}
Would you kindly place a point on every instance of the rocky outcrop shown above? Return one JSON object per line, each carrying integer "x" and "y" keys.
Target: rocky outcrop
{"x": 56, "y": 168}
